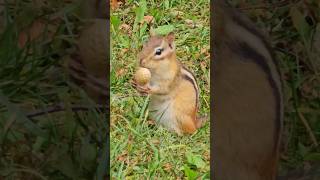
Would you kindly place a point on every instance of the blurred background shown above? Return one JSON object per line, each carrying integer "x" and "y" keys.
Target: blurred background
{"x": 294, "y": 30}
{"x": 53, "y": 118}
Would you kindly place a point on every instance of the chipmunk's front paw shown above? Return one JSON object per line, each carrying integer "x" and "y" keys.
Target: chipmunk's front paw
{"x": 143, "y": 90}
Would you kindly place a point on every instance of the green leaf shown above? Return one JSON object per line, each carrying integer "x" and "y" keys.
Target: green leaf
{"x": 195, "y": 160}
{"x": 115, "y": 21}
{"x": 166, "y": 4}
{"x": 302, "y": 149}
{"x": 300, "y": 24}
{"x": 140, "y": 11}
{"x": 21, "y": 116}
{"x": 191, "y": 175}
{"x": 143, "y": 29}
{"x": 163, "y": 30}
{"x": 38, "y": 144}
{"x": 66, "y": 166}
{"x": 88, "y": 153}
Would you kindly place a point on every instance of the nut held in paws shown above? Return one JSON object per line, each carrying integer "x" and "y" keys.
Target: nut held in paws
{"x": 142, "y": 76}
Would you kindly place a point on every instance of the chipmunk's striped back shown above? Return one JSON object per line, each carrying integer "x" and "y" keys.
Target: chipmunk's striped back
{"x": 250, "y": 43}
{"x": 248, "y": 107}
{"x": 188, "y": 75}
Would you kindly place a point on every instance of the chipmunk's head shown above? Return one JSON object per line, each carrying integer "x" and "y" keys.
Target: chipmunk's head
{"x": 157, "y": 52}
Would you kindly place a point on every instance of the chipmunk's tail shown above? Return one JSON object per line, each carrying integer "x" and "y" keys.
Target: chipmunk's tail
{"x": 201, "y": 120}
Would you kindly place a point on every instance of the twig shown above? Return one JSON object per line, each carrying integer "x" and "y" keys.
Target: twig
{"x": 305, "y": 123}
{"x": 61, "y": 107}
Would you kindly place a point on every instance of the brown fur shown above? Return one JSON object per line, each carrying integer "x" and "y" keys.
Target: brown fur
{"x": 246, "y": 118}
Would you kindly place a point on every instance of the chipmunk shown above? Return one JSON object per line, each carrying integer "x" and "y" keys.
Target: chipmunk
{"x": 247, "y": 99}
{"x": 174, "y": 93}
{"x": 88, "y": 65}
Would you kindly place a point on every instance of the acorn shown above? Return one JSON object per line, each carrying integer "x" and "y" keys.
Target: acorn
{"x": 142, "y": 76}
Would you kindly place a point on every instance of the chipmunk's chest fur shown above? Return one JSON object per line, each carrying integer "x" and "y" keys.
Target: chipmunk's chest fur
{"x": 162, "y": 111}
{"x": 167, "y": 109}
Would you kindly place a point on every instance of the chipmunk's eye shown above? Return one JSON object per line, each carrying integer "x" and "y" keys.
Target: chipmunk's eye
{"x": 159, "y": 51}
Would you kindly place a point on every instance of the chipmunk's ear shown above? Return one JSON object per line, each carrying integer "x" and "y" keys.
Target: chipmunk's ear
{"x": 170, "y": 37}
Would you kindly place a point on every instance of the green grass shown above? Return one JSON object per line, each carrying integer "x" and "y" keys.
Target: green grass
{"x": 139, "y": 148}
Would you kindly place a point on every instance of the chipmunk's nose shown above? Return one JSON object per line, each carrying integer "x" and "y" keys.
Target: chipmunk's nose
{"x": 141, "y": 61}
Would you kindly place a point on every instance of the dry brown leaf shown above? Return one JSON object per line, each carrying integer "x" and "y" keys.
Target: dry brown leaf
{"x": 205, "y": 51}
{"x": 149, "y": 158}
{"x": 206, "y": 155}
{"x": 203, "y": 64}
{"x": 127, "y": 28}
{"x": 124, "y": 50}
{"x": 197, "y": 55}
{"x": 114, "y": 4}
{"x": 190, "y": 23}
{"x": 150, "y": 122}
{"x": 122, "y": 157}
{"x": 155, "y": 141}
{"x": 148, "y": 19}
{"x": 177, "y": 14}
{"x": 167, "y": 167}
{"x": 33, "y": 32}
{"x": 23, "y": 38}
{"x": 120, "y": 72}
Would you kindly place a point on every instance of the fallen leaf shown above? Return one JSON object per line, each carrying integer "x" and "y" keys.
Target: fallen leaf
{"x": 124, "y": 50}
{"x": 33, "y": 32}
{"x": 126, "y": 28}
{"x": 23, "y": 38}
{"x": 206, "y": 156}
{"x": 122, "y": 157}
{"x": 167, "y": 167}
{"x": 149, "y": 157}
{"x": 205, "y": 51}
{"x": 114, "y": 4}
{"x": 151, "y": 122}
{"x": 120, "y": 72}
{"x": 177, "y": 14}
{"x": 197, "y": 55}
{"x": 155, "y": 141}
{"x": 148, "y": 19}
{"x": 190, "y": 23}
